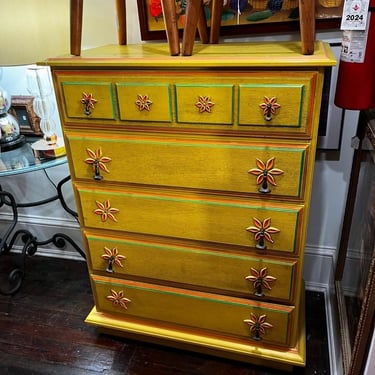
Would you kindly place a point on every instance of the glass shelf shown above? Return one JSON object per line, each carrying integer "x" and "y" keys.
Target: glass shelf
{"x": 22, "y": 160}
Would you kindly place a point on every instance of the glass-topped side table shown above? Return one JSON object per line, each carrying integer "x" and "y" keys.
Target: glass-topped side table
{"x": 13, "y": 162}
{"x": 22, "y": 160}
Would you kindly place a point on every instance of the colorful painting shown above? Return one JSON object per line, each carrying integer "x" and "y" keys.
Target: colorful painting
{"x": 241, "y": 17}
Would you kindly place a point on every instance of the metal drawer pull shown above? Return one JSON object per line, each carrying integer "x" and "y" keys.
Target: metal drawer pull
{"x": 261, "y": 280}
{"x": 113, "y": 258}
{"x": 258, "y": 325}
{"x": 265, "y": 174}
{"x": 270, "y": 107}
{"x": 118, "y": 299}
{"x": 262, "y": 232}
{"x": 89, "y": 103}
{"x": 98, "y": 161}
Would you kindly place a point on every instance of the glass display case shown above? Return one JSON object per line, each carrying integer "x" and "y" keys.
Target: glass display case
{"x": 355, "y": 270}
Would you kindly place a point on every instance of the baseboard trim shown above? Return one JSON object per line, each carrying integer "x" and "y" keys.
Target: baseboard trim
{"x": 333, "y": 328}
{"x": 319, "y": 268}
{"x": 44, "y": 228}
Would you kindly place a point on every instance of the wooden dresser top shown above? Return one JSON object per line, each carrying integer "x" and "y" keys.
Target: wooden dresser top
{"x": 225, "y": 55}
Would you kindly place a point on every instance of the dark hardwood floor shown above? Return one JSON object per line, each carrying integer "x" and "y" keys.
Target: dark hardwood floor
{"x": 42, "y": 331}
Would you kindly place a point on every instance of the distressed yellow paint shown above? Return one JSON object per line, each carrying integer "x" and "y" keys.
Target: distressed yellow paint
{"x": 194, "y": 267}
{"x": 209, "y": 164}
{"x": 205, "y": 311}
{"x": 180, "y": 183}
{"x": 194, "y": 217}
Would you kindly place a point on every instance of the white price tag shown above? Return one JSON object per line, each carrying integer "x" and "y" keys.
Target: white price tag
{"x": 354, "y": 14}
{"x": 353, "y": 47}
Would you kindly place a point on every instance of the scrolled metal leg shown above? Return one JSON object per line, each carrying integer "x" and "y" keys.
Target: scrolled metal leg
{"x": 14, "y": 279}
{"x": 16, "y": 275}
{"x": 60, "y": 239}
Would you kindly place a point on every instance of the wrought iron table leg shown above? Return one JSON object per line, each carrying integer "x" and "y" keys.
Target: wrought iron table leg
{"x": 30, "y": 242}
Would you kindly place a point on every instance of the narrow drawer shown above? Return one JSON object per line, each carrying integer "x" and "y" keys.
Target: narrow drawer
{"x": 209, "y": 103}
{"x": 198, "y": 267}
{"x": 144, "y": 102}
{"x": 215, "y": 164}
{"x": 195, "y": 217}
{"x": 283, "y": 104}
{"x": 204, "y": 311}
{"x": 271, "y": 105}
{"x": 88, "y": 100}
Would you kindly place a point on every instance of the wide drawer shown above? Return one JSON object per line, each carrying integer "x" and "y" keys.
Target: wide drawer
{"x": 209, "y": 312}
{"x": 244, "y": 222}
{"x": 264, "y": 102}
{"x": 195, "y": 267}
{"x": 212, "y": 164}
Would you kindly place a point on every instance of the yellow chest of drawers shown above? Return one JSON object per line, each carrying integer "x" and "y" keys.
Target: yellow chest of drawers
{"x": 192, "y": 178}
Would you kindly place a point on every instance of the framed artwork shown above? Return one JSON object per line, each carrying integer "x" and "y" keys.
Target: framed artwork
{"x": 242, "y": 17}
{"x": 22, "y": 109}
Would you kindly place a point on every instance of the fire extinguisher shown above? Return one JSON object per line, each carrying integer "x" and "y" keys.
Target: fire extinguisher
{"x": 355, "y": 88}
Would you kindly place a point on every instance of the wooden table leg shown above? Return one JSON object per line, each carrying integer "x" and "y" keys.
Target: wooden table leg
{"x": 217, "y": 9}
{"x": 307, "y": 26}
{"x": 121, "y": 20}
{"x": 202, "y": 26}
{"x": 76, "y": 7}
{"x": 193, "y": 10}
{"x": 171, "y": 27}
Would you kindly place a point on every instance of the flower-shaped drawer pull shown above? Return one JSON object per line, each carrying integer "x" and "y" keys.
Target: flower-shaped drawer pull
{"x": 88, "y": 102}
{"x": 105, "y": 211}
{"x": 261, "y": 280}
{"x": 113, "y": 257}
{"x": 204, "y": 104}
{"x": 265, "y": 173}
{"x": 118, "y": 299}
{"x": 143, "y": 103}
{"x": 262, "y": 232}
{"x": 258, "y": 326}
{"x": 98, "y": 162}
{"x": 269, "y": 107}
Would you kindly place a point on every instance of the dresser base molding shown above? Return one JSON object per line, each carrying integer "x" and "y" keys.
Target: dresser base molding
{"x": 280, "y": 358}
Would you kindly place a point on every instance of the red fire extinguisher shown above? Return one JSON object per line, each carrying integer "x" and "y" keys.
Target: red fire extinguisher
{"x": 355, "y": 88}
